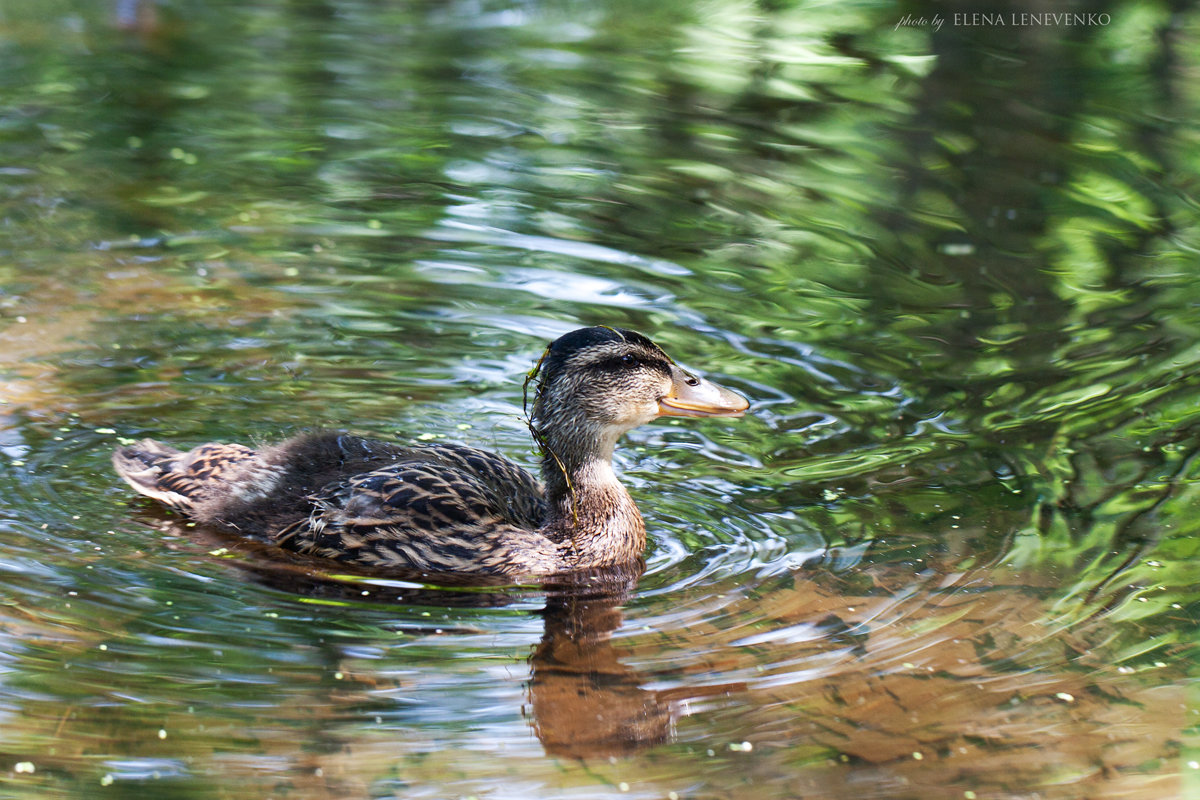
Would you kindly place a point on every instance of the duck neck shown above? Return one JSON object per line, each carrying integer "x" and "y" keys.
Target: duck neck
{"x": 591, "y": 515}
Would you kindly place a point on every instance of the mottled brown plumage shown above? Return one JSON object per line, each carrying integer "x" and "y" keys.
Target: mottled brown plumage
{"x": 450, "y": 508}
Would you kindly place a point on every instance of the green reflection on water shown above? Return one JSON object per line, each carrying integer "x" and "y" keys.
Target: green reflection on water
{"x": 956, "y": 270}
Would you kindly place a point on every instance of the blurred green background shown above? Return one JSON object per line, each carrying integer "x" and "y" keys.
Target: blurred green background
{"x": 955, "y": 266}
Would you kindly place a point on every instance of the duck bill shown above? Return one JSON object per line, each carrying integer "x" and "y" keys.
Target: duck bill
{"x": 695, "y": 397}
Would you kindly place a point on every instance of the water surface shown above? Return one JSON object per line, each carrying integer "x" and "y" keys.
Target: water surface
{"x": 949, "y": 554}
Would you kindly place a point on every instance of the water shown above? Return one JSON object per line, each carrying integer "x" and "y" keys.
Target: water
{"x": 949, "y": 554}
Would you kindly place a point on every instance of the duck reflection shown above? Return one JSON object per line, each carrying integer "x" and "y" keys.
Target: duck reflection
{"x": 583, "y": 702}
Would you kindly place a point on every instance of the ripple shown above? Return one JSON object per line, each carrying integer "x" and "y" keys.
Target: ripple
{"x": 453, "y": 230}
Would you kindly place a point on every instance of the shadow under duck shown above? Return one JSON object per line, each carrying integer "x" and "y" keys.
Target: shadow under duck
{"x": 447, "y": 507}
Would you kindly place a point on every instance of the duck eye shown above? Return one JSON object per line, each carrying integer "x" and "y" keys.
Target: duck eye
{"x": 628, "y": 360}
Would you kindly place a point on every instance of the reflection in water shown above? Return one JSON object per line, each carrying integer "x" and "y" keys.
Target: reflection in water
{"x": 585, "y": 702}
{"x": 952, "y": 553}
{"x": 885, "y": 681}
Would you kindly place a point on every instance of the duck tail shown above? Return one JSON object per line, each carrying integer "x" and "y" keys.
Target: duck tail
{"x": 151, "y": 468}
{"x": 191, "y": 481}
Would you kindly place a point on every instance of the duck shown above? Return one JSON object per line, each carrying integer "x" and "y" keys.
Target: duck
{"x": 450, "y": 508}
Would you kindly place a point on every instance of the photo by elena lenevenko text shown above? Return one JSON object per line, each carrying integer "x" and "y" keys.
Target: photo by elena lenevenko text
{"x": 1014, "y": 19}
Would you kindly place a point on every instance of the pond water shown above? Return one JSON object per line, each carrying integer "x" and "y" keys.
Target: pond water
{"x": 951, "y": 552}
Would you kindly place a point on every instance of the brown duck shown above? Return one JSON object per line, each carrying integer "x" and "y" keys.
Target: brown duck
{"x": 450, "y": 508}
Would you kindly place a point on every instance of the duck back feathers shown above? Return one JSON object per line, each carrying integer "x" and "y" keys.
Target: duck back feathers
{"x": 437, "y": 508}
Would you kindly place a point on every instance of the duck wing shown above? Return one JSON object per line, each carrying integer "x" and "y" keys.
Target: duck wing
{"x": 441, "y": 509}
{"x": 512, "y": 491}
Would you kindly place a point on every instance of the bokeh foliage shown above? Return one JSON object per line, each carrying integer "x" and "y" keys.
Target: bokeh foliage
{"x": 956, "y": 269}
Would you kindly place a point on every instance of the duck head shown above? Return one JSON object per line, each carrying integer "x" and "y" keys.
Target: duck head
{"x": 594, "y": 384}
